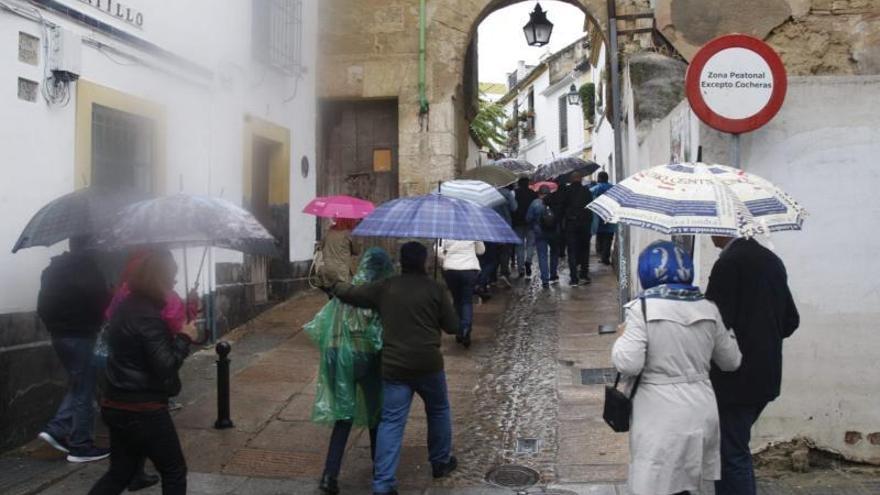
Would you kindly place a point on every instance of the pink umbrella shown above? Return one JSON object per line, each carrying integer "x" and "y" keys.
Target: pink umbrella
{"x": 339, "y": 207}
{"x": 537, "y": 185}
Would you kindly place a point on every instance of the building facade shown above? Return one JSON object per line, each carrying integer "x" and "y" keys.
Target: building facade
{"x": 163, "y": 97}
{"x": 542, "y": 123}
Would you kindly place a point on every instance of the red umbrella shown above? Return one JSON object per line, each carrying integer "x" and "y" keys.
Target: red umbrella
{"x": 537, "y": 185}
{"x": 339, "y": 207}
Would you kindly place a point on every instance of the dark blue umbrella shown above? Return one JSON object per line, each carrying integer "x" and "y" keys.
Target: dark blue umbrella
{"x": 436, "y": 217}
{"x": 84, "y": 212}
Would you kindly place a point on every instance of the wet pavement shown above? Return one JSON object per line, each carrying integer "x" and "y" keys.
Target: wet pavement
{"x": 518, "y": 397}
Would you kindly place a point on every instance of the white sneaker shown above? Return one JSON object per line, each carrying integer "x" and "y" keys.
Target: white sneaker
{"x": 57, "y": 445}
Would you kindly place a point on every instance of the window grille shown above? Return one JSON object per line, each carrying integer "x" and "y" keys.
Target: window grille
{"x": 563, "y": 122}
{"x": 123, "y": 149}
{"x": 277, "y": 34}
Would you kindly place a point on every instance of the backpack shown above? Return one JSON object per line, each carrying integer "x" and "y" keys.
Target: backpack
{"x": 548, "y": 219}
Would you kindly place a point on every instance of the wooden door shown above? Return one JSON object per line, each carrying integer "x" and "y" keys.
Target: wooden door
{"x": 359, "y": 149}
{"x": 359, "y": 154}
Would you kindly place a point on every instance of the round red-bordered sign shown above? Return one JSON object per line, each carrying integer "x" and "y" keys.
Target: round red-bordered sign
{"x": 703, "y": 108}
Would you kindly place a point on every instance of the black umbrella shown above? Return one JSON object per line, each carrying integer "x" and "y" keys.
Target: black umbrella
{"x": 514, "y": 165}
{"x": 81, "y": 213}
{"x": 564, "y": 167}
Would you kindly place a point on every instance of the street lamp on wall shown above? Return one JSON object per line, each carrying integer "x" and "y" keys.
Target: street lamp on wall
{"x": 574, "y": 98}
{"x": 538, "y": 29}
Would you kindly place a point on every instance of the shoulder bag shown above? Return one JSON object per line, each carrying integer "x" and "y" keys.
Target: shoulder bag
{"x": 618, "y": 406}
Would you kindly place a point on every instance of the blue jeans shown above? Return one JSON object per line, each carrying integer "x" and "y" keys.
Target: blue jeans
{"x": 461, "y": 283}
{"x": 525, "y": 251}
{"x": 548, "y": 255}
{"x": 737, "y": 471}
{"x": 74, "y": 422}
{"x": 398, "y": 395}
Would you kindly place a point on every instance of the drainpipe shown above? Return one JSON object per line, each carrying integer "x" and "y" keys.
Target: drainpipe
{"x": 423, "y": 99}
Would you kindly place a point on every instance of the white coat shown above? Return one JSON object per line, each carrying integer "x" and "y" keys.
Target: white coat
{"x": 461, "y": 255}
{"x": 674, "y": 434}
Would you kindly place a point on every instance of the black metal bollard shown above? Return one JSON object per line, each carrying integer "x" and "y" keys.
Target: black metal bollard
{"x": 223, "y": 419}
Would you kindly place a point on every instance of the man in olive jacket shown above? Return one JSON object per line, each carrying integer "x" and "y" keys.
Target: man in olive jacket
{"x": 414, "y": 310}
{"x": 750, "y": 286}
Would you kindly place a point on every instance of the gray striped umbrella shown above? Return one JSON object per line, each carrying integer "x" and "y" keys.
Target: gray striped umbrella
{"x": 475, "y": 191}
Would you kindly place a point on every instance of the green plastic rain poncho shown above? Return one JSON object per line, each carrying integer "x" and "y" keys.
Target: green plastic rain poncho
{"x": 350, "y": 339}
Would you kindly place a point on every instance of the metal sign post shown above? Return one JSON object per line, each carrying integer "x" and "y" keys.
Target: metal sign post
{"x": 622, "y": 230}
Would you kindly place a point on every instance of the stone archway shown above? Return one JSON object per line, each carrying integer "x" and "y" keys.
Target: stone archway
{"x": 370, "y": 50}
{"x": 456, "y": 23}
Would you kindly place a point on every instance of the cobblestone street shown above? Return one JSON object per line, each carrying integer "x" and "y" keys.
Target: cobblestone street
{"x": 518, "y": 397}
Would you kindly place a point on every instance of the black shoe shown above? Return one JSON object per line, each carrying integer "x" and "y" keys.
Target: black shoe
{"x": 585, "y": 281}
{"x": 528, "y": 270}
{"x": 554, "y": 279}
{"x": 573, "y": 283}
{"x": 329, "y": 485}
{"x": 443, "y": 470}
{"x": 521, "y": 275}
{"x": 142, "y": 480}
{"x": 545, "y": 285}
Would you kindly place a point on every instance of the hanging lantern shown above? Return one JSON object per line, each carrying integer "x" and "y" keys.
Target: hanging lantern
{"x": 574, "y": 98}
{"x": 538, "y": 29}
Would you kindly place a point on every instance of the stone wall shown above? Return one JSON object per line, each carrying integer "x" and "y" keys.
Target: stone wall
{"x": 813, "y": 37}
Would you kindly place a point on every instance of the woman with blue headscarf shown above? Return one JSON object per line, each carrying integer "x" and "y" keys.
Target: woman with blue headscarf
{"x": 672, "y": 337}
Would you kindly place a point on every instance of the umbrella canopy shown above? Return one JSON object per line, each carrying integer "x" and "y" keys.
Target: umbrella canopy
{"x": 81, "y": 213}
{"x": 537, "y": 185}
{"x": 695, "y": 198}
{"x": 339, "y": 207}
{"x": 516, "y": 166}
{"x": 436, "y": 217}
{"x": 475, "y": 191}
{"x": 496, "y": 176}
{"x": 183, "y": 220}
{"x": 565, "y": 166}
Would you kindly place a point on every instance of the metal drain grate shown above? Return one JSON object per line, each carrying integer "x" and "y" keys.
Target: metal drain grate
{"x": 598, "y": 376}
{"x": 513, "y": 476}
{"x": 526, "y": 445}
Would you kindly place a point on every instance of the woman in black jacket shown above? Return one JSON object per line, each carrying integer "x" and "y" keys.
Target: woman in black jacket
{"x": 142, "y": 364}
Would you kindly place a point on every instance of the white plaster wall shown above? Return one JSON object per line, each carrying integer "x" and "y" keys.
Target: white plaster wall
{"x": 822, "y": 149}
{"x": 204, "y": 121}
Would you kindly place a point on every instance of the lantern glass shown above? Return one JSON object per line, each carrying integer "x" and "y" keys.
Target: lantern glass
{"x": 538, "y": 29}
{"x": 574, "y": 98}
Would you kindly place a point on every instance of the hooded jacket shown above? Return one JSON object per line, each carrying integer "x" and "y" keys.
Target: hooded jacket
{"x": 73, "y": 295}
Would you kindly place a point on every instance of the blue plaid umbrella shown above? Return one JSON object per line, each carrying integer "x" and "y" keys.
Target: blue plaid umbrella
{"x": 436, "y": 217}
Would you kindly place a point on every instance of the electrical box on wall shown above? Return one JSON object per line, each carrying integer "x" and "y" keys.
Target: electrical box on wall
{"x": 65, "y": 54}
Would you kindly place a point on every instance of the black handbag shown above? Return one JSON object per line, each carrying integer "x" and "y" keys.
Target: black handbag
{"x": 618, "y": 407}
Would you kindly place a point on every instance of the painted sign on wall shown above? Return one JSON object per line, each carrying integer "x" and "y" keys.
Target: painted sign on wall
{"x": 118, "y": 10}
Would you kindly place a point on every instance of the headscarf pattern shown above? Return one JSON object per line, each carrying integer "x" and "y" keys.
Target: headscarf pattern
{"x": 667, "y": 271}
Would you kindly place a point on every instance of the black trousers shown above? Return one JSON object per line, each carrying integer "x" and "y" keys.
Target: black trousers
{"x": 577, "y": 240}
{"x": 603, "y": 247}
{"x": 135, "y": 435}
